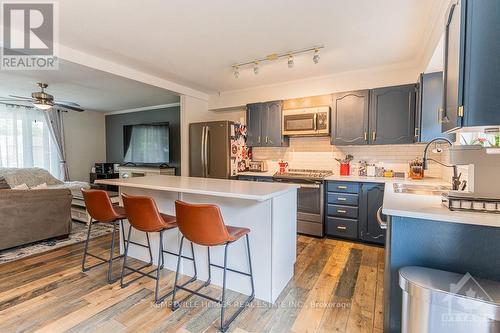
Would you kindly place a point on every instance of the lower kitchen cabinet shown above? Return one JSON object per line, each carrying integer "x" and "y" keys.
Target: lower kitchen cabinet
{"x": 371, "y": 201}
{"x": 351, "y": 211}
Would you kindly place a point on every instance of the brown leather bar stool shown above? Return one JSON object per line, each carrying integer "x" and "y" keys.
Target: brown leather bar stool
{"x": 143, "y": 215}
{"x": 204, "y": 225}
{"x": 101, "y": 210}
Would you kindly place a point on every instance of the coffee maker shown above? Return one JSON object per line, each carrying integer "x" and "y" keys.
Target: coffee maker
{"x": 484, "y": 171}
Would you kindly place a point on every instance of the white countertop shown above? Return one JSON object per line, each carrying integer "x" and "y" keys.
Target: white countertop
{"x": 429, "y": 207}
{"x": 217, "y": 187}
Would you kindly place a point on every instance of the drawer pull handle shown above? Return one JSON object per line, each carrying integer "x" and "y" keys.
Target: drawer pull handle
{"x": 342, "y": 187}
{"x": 342, "y": 228}
{"x": 341, "y": 199}
{"x": 341, "y": 211}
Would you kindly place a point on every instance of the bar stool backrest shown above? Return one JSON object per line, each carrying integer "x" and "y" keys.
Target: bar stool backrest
{"x": 142, "y": 213}
{"x": 201, "y": 223}
{"x": 99, "y": 205}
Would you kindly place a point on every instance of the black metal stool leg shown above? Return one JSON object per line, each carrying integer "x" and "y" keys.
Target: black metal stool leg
{"x": 86, "y": 247}
{"x": 223, "y": 326}
{"x": 250, "y": 267}
{"x": 149, "y": 249}
{"x": 123, "y": 235}
{"x": 125, "y": 257}
{"x": 207, "y": 283}
{"x": 112, "y": 249}
{"x": 159, "y": 266}
{"x": 174, "y": 304}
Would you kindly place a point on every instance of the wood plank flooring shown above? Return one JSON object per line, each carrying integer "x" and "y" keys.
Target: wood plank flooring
{"x": 337, "y": 287}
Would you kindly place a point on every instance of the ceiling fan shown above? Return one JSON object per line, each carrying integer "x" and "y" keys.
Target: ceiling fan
{"x": 42, "y": 100}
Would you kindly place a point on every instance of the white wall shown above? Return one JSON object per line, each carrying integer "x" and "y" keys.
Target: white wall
{"x": 365, "y": 79}
{"x": 85, "y": 136}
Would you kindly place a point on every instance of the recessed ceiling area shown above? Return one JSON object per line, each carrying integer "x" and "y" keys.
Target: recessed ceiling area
{"x": 195, "y": 42}
{"x": 94, "y": 90}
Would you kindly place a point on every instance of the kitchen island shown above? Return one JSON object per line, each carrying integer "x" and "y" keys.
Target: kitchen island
{"x": 269, "y": 210}
{"x": 423, "y": 232}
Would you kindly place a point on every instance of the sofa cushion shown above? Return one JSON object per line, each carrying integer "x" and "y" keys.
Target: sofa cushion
{"x": 28, "y": 176}
{"x": 3, "y": 184}
{"x": 74, "y": 187}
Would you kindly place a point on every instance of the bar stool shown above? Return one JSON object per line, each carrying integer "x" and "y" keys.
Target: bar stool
{"x": 203, "y": 224}
{"x": 101, "y": 210}
{"x": 143, "y": 215}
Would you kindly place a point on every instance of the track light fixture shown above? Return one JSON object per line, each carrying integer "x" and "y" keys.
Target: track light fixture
{"x": 275, "y": 56}
{"x": 316, "y": 56}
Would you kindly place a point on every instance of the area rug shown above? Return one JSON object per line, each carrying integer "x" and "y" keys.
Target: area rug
{"x": 78, "y": 234}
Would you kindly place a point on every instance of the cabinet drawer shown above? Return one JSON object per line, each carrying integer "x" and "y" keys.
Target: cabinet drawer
{"x": 342, "y": 227}
{"x": 343, "y": 187}
{"x": 342, "y": 199}
{"x": 342, "y": 211}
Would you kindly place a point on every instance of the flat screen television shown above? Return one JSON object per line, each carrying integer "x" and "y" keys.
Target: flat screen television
{"x": 146, "y": 143}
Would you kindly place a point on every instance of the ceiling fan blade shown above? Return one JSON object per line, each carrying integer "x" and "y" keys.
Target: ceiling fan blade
{"x": 20, "y": 97}
{"x": 67, "y": 103}
{"x": 69, "y": 107}
{"x": 14, "y": 100}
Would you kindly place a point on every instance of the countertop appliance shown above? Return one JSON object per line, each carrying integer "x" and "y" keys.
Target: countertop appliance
{"x": 209, "y": 149}
{"x": 257, "y": 166}
{"x": 306, "y": 122}
{"x": 310, "y": 198}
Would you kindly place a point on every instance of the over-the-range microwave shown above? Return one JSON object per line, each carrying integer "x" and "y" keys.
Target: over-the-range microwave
{"x": 307, "y": 122}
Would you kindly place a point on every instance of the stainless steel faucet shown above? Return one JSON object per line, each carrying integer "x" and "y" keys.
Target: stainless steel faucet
{"x": 455, "y": 180}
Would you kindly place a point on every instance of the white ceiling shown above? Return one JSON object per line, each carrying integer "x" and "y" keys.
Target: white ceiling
{"x": 194, "y": 42}
{"x": 94, "y": 90}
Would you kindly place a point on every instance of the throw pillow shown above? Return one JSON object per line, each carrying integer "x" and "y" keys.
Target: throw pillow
{"x": 39, "y": 187}
{"x": 3, "y": 184}
{"x": 21, "y": 187}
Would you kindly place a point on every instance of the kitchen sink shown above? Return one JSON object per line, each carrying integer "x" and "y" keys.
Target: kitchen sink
{"x": 420, "y": 189}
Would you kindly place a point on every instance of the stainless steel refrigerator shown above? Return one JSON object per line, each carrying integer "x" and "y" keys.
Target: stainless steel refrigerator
{"x": 210, "y": 149}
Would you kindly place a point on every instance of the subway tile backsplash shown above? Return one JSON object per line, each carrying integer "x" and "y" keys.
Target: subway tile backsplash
{"x": 317, "y": 153}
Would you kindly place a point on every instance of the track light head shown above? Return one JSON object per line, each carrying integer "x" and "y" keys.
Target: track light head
{"x": 290, "y": 61}
{"x": 316, "y": 56}
{"x": 256, "y": 68}
{"x": 236, "y": 72}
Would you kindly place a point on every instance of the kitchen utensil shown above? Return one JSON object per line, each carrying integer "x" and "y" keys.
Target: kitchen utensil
{"x": 283, "y": 166}
{"x": 416, "y": 169}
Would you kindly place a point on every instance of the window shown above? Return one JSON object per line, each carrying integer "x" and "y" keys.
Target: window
{"x": 25, "y": 140}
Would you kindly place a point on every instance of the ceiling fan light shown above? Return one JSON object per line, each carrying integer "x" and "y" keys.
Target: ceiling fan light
{"x": 43, "y": 105}
{"x": 316, "y": 56}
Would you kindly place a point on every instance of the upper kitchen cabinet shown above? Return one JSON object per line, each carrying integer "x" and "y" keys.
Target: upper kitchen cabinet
{"x": 264, "y": 125}
{"x": 349, "y": 125}
{"x": 429, "y": 106}
{"x": 392, "y": 115}
{"x": 472, "y": 65}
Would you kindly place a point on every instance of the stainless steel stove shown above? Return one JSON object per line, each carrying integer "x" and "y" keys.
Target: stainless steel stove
{"x": 310, "y": 198}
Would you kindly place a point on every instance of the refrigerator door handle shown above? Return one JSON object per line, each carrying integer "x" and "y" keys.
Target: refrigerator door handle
{"x": 207, "y": 154}
{"x": 203, "y": 151}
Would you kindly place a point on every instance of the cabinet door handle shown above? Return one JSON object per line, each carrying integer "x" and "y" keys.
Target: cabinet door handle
{"x": 258, "y": 139}
{"x": 342, "y": 187}
{"x": 366, "y": 136}
{"x": 342, "y": 228}
{"x": 417, "y": 130}
{"x": 374, "y": 136}
{"x": 440, "y": 111}
{"x": 341, "y": 199}
{"x": 382, "y": 224}
{"x": 267, "y": 139}
{"x": 342, "y": 211}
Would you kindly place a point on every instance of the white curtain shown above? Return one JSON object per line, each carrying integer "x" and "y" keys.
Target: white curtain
{"x": 25, "y": 140}
{"x": 148, "y": 144}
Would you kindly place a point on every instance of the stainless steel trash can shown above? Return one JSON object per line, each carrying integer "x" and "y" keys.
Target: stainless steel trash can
{"x": 436, "y": 301}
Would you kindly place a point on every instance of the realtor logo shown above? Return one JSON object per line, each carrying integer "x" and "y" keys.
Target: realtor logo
{"x": 29, "y": 35}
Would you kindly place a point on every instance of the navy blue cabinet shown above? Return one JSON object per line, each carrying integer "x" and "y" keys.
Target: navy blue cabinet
{"x": 351, "y": 211}
{"x": 371, "y": 200}
{"x": 349, "y": 125}
{"x": 392, "y": 114}
{"x": 429, "y": 107}
{"x": 264, "y": 125}
{"x": 472, "y": 65}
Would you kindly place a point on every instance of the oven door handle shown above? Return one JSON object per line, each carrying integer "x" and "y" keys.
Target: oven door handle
{"x": 309, "y": 186}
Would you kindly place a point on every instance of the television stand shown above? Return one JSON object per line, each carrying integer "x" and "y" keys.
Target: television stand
{"x": 141, "y": 171}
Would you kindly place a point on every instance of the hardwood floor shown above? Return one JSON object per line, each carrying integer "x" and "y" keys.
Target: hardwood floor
{"x": 337, "y": 287}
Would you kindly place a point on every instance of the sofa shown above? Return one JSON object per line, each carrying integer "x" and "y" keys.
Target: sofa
{"x": 32, "y": 215}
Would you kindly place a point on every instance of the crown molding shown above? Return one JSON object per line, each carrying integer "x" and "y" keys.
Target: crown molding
{"x": 145, "y": 108}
